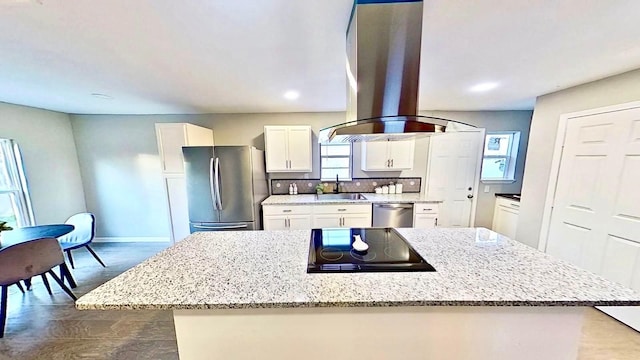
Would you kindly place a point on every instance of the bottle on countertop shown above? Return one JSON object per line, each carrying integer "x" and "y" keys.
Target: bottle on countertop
{"x": 290, "y": 189}
{"x": 295, "y": 189}
{"x": 398, "y": 188}
{"x": 385, "y": 189}
{"x": 392, "y": 188}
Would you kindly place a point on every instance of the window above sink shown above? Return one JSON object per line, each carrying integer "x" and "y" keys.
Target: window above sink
{"x": 336, "y": 159}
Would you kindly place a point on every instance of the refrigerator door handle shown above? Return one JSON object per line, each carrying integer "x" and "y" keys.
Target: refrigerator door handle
{"x": 221, "y": 227}
{"x": 217, "y": 184}
{"x": 211, "y": 185}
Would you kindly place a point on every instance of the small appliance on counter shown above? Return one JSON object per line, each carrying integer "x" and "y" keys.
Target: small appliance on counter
{"x": 362, "y": 250}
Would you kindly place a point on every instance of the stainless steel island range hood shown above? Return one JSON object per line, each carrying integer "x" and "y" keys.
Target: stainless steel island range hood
{"x": 383, "y": 70}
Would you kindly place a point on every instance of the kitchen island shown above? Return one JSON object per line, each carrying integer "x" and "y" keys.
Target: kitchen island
{"x": 247, "y": 295}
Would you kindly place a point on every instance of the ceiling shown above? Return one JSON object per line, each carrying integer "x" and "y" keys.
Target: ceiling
{"x": 221, "y": 56}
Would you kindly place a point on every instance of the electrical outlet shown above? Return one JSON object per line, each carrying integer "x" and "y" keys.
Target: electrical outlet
{"x": 487, "y": 188}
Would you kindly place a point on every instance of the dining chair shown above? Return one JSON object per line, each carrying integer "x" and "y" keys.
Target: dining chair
{"x": 26, "y": 260}
{"x": 81, "y": 236}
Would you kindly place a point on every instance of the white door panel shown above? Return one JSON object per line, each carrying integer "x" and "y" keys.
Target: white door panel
{"x": 299, "y": 148}
{"x": 620, "y": 259}
{"x": 357, "y": 220}
{"x": 326, "y": 221}
{"x": 453, "y": 174}
{"x": 595, "y": 221}
{"x": 275, "y": 223}
{"x": 299, "y": 222}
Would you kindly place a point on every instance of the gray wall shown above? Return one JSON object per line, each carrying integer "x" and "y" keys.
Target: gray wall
{"x": 494, "y": 121}
{"x": 50, "y": 160}
{"x": 120, "y": 164}
{"x": 544, "y": 127}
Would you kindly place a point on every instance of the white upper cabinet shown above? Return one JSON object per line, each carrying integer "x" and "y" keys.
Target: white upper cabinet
{"x": 288, "y": 148}
{"x": 172, "y": 137}
{"x": 387, "y": 155}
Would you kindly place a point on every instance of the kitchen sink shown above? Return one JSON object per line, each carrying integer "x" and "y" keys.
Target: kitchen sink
{"x": 343, "y": 196}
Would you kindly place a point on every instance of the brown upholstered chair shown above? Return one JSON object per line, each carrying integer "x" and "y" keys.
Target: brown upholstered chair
{"x": 26, "y": 260}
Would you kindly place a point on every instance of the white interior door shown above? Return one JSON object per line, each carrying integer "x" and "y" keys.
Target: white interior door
{"x": 453, "y": 174}
{"x": 595, "y": 221}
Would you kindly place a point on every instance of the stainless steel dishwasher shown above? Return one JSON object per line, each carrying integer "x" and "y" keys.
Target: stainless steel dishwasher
{"x": 393, "y": 215}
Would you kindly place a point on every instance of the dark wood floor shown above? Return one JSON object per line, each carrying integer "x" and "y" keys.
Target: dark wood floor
{"x": 40, "y": 326}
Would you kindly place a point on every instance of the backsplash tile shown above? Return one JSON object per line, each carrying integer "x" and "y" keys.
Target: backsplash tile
{"x": 362, "y": 185}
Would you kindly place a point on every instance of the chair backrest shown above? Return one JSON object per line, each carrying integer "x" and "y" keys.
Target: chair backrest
{"x": 28, "y": 259}
{"x": 84, "y": 229}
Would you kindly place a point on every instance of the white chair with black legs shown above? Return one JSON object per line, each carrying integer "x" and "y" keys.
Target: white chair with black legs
{"x": 81, "y": 236}
{"x": 26, "y": 260}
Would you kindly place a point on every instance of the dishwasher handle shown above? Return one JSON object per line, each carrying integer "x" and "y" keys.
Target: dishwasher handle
{"x": 394, "y": 206}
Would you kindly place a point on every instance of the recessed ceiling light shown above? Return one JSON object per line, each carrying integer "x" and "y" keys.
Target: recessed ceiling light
{"x": 102, "y": 96}
{"x": 291, "y": 95}
{"x": 486, "y": 86}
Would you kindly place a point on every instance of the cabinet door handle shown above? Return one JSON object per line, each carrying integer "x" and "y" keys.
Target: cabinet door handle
{"x": 388, "y": 163}
{"x": 391, "y": 162}
{"x": 436, "y": 221}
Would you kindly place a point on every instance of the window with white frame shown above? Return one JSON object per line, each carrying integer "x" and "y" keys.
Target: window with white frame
{"x": 335, "y": 159}
{"x": 15, "y": 205}
{"x": 500, "y": 154}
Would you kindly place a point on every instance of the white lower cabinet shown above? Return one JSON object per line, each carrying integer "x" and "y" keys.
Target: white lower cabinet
{"x": 287, "y": 222}
{"x": 505, "y": 217}
{"x": 425, "y": 216}
{"x": 327, "y": 221}
{"x": 347, "y": 215}
{"x": 425, "y": 221}
{"x": 286, "y": 217}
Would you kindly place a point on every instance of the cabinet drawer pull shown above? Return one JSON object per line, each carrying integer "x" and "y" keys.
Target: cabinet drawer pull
{"x": 342, "y": 209}
{"x": 514, "y": 205}
{"x": 287, "y": 211}
{"x": 427, "y": 209}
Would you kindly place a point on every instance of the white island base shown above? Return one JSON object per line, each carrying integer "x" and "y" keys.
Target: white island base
{"x": 431, "y": 332}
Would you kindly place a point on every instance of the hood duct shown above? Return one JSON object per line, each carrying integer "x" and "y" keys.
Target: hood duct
{"x": 383, "y": 70}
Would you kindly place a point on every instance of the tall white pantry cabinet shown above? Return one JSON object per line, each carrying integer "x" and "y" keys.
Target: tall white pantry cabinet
{"x": 171, "y": 138}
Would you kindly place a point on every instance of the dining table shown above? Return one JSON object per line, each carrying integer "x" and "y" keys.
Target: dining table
{"x": 28, "y": 233}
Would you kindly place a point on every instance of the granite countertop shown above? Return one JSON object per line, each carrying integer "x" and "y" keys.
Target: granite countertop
{"x": 267, "y": 269}
{"x": 310, "y": 199}
{"x": 515, "y": 197}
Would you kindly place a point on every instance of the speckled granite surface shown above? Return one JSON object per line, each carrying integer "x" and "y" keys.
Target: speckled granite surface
{"x": 264, "y": 269}
{"x": 370, "y": 198}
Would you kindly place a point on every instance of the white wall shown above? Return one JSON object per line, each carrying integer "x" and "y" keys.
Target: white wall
{"x": 50, "y": 160}
{"x": 544, "y": 126}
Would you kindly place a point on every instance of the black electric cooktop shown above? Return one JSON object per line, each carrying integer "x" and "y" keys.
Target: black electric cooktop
{"x": 331, "y": 251}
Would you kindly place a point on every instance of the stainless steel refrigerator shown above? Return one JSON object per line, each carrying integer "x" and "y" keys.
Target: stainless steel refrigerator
{"x": 225, "y": 186}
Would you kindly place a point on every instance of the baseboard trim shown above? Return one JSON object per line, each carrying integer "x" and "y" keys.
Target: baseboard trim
{"x": 120, "y": 239}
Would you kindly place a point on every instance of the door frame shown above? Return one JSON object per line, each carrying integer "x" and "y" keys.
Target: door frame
{"x": 557, "y": 161}
{"x": 476, "y": 181}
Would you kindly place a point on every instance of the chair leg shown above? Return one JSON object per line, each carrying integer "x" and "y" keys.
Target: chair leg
{"x": 27, "y": 283}
{"x": 95, "y": 256}
{"x": 70, "y": 259}
{"x": 62, "y": 285}
{"x": 46, "y": 283}
{"x": 20, "y": 287}
{"x": 3, "y": 309}
{"x": 65, "y": 273}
